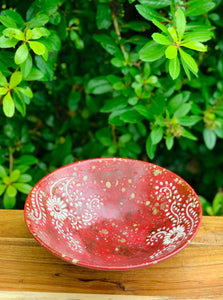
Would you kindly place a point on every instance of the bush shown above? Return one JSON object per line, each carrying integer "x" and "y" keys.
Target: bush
{"x": 104, "y": 78}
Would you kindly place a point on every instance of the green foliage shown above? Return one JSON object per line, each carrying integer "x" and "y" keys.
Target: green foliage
{"x": 139, "y": 79}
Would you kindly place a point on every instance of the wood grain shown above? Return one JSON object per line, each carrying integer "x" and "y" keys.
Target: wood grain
{"x": 69, "y": 296}
{"x": 197, "y": 271}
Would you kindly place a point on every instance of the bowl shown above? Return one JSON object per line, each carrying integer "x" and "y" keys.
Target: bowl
{"x": 113, "y": 213}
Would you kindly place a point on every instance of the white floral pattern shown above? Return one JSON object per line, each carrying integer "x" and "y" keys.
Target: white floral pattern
{"x": 174, "y": 235}
{"x": 57, "y": 208}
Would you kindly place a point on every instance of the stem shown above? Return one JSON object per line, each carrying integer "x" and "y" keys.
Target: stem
{"x": 172, "y": 8}
{"x": 114, "y": 138}
{"x": 11, "y": 160}
{"x": 117, "y": 31}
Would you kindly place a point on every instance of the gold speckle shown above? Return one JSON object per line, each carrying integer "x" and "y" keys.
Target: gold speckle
{"x": 116, "y": 249}
{"x": 85, "y": 178}
{"x": 63, "y": 255}
{"x": 78, "y": 184}
{"x": 108, "y": 184}
{"x": 116, "y": 183}
{"x": 133, "y": 195}
{"x": 93, "y": 167}
{"x": 105, "y": 231}
{"x": 121, "y": 203}
{"x": 155, "y": 211}
{"x": 95, "y": 181}
{"x": 123, "y": 189}
{"x": 134, "y": 225}
{"x": 75, "y": 168}
{"x": 122, "y": 240}
{"x": 130, "y": 180}
{"x": 157, "y": 172}
{"x": 113, "y": 224}
{"x": 147, "y": 203}
{"x": 163, "y": 205}
{"x": 102, "y": 181}
{"x": 74, "y": 261}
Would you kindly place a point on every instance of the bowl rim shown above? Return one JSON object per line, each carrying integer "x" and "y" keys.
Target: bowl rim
{"x": 82, "y": 263}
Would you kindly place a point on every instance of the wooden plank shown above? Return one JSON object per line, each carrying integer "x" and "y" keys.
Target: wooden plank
{"x": 69, "y": 296}
{"x": 196, "y": 271}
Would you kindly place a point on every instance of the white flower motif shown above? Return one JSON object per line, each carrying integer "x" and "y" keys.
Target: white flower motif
{"x": 57, "y": 208}
{"x": 174, "y": 235}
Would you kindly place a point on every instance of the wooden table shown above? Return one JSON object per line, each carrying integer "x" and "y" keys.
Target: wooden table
{"x": 28, "y": 271}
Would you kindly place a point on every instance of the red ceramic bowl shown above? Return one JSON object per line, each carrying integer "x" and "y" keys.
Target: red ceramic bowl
{"x": 113, "y": 213}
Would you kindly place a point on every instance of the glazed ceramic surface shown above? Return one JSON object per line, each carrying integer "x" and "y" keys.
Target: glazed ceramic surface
{"x": 113, "y": 213}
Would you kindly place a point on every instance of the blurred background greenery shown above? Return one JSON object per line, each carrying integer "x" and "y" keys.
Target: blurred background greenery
{"x": 88, "y": 88}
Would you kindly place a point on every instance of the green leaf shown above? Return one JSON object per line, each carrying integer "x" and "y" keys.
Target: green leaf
{"x": 189, "y": 120}
{"x": 26, "y": 66}
{"x": 190, "y": 62}
{"x": 173, "y": 34}
{"x": 108, "y": 44}
{"x": 218, "y": 203}
{"x": 9, "y": 202}
{"x": 38, "y": 21}
{"x": 15, "y": 79}
{"x": 103, "y": 16}
{"x": 29, "y": 34}
{"x": 185, "y": 68}
{"x": 2, "y": 172}
{"x": 36, "y": 33}
{"x": 34, "y": 74}
{"x": 148, "y": 13}
{"x": 171, "y": 52}
{"x": 7, "y": 21}
{"x": 146, "y": 112}
{"x": 11, "y": 191}
{"x": 198, "y": 36}
{"x": 7, "y": 43}
{"x": 3, "y": 80}
{"x": 156, "y": 4}
{"x": 180, "y": 23}
{"x": 156, "y": 135}
{"x": 19, "y": 101}
{"x": 169, "y": 142}
{"x": 161, "y": 39}
{"x": 2, "y": 189}
{"x": 195, "y": 46}
{"x": 8, "y": 105}
{"x": 21, "y": 54}
{"x": 26, "y": 91}
{"x": 114, "y": 104}
{"x": 52, "y": 43}
{"x": 45, "y": 67}
{"x": 25, "y": 178}
{"x": 182, "y": 110}
{"x": 44, "y": 30}
{"x": 131, "y": 116}
{"x": 151, "y": 51}
{"x": 150, "y": 147}
{"x": 210, "y": 138}
{"x": 98, "y": 85}
{"x": 14, "y": 16}
{"x": 160, "y": 26}
{"x": 24, "y": 188}
{"x": 26, "y": 160}
{"x": 187, "y": 134}
{"x": 174, "y": 67}
{"x": 14, "y": 33}
{"x": 37, "y": 47}
{"x": 197, "y": 7}
{"x": 3, "y": 91}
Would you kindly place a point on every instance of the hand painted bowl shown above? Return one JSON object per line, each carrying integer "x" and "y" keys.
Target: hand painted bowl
{"x": 113, "y": 213}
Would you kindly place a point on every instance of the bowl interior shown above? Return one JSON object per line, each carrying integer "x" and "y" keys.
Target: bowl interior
{"x": 113, "y": 213}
